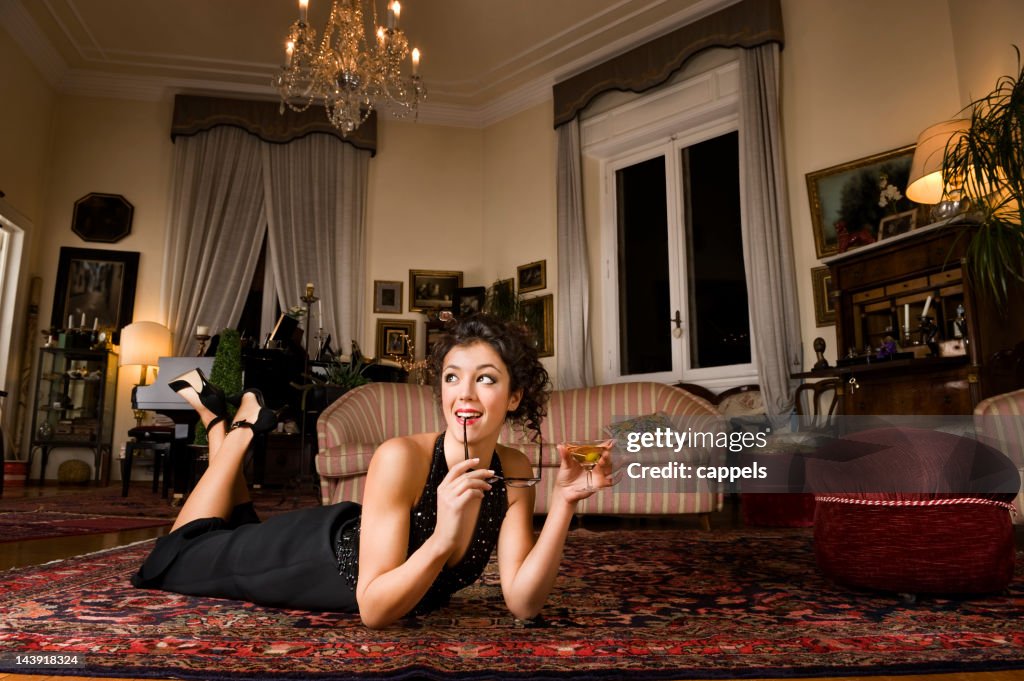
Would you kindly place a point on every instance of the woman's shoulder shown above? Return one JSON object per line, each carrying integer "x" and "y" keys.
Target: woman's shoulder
{"x": 404, "y": 458}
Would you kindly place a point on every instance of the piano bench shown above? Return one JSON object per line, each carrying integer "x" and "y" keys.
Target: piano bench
{"x": 157, "y": 439}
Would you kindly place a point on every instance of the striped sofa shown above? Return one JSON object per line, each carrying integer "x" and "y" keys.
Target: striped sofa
{"x": 351, "y": 428}
{"x": 999, "y": 422}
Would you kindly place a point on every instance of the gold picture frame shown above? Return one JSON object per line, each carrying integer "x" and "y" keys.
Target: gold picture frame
{"x": 824, "y": 298}
{"x": 532, "y": 276}
{"x": 395, "y": 338}
{"x": 433, "y": 289}
{"x": 844, "y": 199}
{"x": 538, "y": 314}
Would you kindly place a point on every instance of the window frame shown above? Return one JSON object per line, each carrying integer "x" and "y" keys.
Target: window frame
{"x": 699, "y": 107}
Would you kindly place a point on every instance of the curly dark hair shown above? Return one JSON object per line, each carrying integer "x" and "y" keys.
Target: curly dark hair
{"x": 514, "y": 343}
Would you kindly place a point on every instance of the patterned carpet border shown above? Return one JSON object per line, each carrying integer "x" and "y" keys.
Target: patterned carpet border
{"x": 140, "y": 502}
{"x": 16, "y": 526}
{"x": 647, "y": 604}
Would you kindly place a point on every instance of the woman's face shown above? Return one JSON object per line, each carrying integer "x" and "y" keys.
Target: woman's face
{"x": 476, "y": 391}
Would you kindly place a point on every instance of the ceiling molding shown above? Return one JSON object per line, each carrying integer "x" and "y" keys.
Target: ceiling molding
{"x": 87, "y": 83}
{"x": 24, "y": 30}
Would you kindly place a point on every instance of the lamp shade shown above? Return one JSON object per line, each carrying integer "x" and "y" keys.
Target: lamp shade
{"x": 925, "y": 184}
{"x": 142, "y": 343}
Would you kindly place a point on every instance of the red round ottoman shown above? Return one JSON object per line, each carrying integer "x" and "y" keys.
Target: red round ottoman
{"x": 914, "y": 511}
{"x": 774, "y": 501}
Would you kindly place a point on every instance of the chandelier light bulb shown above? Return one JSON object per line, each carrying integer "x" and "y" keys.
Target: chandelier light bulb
{"x": 415, "y": 61}
{"x": 303, "y": 11}
{"x": 396, "y": 7}
{"x": 289, "y": 51}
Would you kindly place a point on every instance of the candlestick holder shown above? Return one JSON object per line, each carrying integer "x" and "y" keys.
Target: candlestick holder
{"x": 308, "y": 299}
{"x": 203, "y": 340}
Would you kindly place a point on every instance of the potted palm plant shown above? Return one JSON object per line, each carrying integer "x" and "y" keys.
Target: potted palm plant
{"x": 987, "y": 162}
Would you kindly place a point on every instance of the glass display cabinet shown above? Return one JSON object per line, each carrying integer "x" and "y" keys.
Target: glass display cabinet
{"x": 76, "y": 391}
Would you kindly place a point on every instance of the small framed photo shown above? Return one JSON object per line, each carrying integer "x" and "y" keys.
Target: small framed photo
{"x": 387, "y": 297}
{"x": 395, "y": 338}
{"x": 469, "y": 301}
{"x": 824, "y": 300}
{"x": 432, "y": 289}
{"x": 539, "y": 316}
{"x": 900, "y": 223}
{"x": 533, "y": 276}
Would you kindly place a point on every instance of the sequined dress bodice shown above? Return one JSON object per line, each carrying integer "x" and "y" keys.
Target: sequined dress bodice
{"x": 422, "y": 522}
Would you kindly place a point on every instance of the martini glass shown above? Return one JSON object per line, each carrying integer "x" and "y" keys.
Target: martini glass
{"x": 587, "y": 453}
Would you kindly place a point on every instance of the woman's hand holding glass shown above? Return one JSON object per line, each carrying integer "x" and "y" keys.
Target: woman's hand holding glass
{"x": 586, "y": 467}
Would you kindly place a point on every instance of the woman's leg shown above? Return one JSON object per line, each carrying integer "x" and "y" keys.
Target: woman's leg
{"x": 222, "y": 486}
{"x": 214, "y": 440}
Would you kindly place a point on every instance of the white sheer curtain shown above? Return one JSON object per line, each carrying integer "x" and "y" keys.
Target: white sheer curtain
{"x": 572, "y": 337}
{"x": 767, "y": 240}
{"x": 215, "y": 231}
{"x": 315, "y": 189}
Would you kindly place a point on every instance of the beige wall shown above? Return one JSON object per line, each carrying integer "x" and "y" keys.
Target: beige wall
{"x": 115, "y": 147}
{"x": 984, "y": 32}
{"x": 26, "y": 122}
{"x": 425, "y": 211}
{"x": 858, "y": 78}
{"x": 25, "y": 130}
{"x": 519, "y": 160}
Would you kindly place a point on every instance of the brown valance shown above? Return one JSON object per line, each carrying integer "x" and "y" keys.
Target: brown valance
{"x": 194, "y": 114}
{"x": 747, "y": 23}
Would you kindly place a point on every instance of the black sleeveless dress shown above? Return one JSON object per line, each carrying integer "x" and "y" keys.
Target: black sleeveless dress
{"x": 309, "y": 559}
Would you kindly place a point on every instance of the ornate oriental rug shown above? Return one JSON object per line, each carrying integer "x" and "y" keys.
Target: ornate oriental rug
{"x": 142, "y": 502}
{"x": 642, "y": 604}
{"x": 45, "y": 524}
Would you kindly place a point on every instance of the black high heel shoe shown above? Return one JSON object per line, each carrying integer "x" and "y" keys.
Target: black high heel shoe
{"x": 210, "y": 396}
{"x": 266, "y": 418}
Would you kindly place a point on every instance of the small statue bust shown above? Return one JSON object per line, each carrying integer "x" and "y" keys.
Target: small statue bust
{"x": 819, "y": 351}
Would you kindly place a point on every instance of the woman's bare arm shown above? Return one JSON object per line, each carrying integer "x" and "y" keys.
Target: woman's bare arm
{"x": 390, "y": 584}
{"x": 529, "y": 568}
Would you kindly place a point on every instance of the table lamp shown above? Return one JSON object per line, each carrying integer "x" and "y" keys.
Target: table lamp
{"x": 926, "y": 183}
{"x": 142, "y": 344}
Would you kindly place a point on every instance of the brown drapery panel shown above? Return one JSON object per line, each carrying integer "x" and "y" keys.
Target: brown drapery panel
{"x": 194, "y": 114}
{"x": 746, "y": 24}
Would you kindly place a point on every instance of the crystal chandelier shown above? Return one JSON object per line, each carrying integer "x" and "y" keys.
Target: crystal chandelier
{"x": 347, "y": 73}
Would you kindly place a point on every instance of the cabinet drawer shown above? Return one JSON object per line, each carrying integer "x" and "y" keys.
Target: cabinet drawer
{"x": 905, "y": 286}
{"x": 947, "y": 277}
{"x": 869, "y": 295}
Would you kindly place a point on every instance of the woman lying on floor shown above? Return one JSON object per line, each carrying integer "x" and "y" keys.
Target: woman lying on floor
{"x": 434, "y": 507}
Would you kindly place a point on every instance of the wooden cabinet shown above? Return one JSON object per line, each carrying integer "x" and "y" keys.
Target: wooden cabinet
{"x": 74, "y": 407}
{"x": 880, "y": 287}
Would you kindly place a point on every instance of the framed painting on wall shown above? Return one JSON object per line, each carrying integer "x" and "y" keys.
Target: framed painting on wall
{"x": 849, "y": 200}
{"x": 824, "y": 303}
{"x": 395, "y": 338}
{"x": 432, "y": 289}
{"x": 538, "y": 315}
{"x": 387, "y": 297}
{"x": 95, "y": 289}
